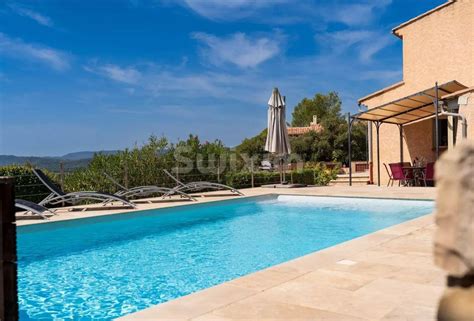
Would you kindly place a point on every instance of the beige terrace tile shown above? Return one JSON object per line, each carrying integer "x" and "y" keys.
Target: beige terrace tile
{"x": 336, "y": 279}
{"x": 411, "y": 313}
{"x": 303, "y": 292}
{"x": 260, "y": 308}
{"x": 400, "y": 260}
{"x": 366, "y": 268}
{"x": 407, "y": 227}
{"x": 327, "y": 298}
{"x": 211, "y": 317}
{"x": 264, "y": 279}
{"x": 407, "y": 245}
{"x": 401, "y": 291}
{"x": 193, "y": 305}
{"x": 418, "y": 275}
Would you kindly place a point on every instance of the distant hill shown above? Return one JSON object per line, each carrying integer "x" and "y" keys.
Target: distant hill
{"x": 71, "y": 161}
{"x": 87, "y": 155}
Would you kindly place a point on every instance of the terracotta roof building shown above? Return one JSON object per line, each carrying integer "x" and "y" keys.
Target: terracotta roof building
{"x": 313, "y": 127}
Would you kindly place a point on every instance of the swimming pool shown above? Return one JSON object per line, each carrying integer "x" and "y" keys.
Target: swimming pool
{"x": 104, "y": 267}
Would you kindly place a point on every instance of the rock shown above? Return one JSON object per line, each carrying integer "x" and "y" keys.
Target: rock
{"x": 457, "y": 305}
{"x": 454, "y": 238}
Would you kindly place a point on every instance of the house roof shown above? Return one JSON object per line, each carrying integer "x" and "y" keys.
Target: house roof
{"x": 295, "y": 131}
{"x": 381, "y": 91}
{"x": 421, "y": 16}
{"x": 410, "y": 108}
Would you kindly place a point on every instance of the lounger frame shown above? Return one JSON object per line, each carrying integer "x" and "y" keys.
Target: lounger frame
{"x": 197, "y": 186}
{"x": 143, "y": 190}
{"x": 58, "y": 196}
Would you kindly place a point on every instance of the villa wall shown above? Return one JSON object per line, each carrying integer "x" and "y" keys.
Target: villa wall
{"x": 436, "y": 48}
{"x": 440, "y": 47}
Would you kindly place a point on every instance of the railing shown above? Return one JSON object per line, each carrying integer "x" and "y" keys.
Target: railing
{"x": 361, "y": 167}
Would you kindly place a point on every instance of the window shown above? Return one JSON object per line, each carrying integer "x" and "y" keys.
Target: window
{"x": 442, "y": 133}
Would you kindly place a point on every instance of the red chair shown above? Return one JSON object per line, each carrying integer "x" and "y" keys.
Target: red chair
{"x": 428, "y": 174}
{"x": 390, "y": 177}
{"x": 401, "y": 175}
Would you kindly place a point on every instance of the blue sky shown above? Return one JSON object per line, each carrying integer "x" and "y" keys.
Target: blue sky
{"x": 92, "y": 75}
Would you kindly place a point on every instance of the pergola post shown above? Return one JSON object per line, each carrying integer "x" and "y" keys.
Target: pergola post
{"x": 400, "y": 128}
{"x": 377, "y": 127}
{"x": 349, "y": 143}
{"x": 436, "y": 121}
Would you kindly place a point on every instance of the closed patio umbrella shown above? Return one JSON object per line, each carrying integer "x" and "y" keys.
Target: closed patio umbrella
{"x": 278, "y": 141}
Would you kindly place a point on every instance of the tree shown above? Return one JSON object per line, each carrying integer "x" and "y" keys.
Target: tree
{"x": 328, "y": 145}
{"x": 254, "y": 146}
{"x": 323, "y": 106}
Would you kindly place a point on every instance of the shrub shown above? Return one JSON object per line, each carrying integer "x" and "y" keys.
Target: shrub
{"x": 27, "y": 185}
{"x": 315, "y": 174}
{"x": 244, "y": 178}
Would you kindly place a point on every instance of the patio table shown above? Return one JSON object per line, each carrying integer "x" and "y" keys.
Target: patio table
{"x": 418, "y": 173}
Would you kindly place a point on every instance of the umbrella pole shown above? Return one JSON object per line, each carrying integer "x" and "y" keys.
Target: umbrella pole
{"x": 281, "y": 174}
{"x": 283, "y": 169}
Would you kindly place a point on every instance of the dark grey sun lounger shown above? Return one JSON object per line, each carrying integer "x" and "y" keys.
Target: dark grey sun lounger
{"x": 197, "y": 186}
{"x": 33, "y": 208}
{"x": 57, "y": 196}
{"x": 142, "y": 191}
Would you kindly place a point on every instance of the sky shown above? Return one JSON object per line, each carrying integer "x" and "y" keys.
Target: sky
{"x": 102, "y": 75}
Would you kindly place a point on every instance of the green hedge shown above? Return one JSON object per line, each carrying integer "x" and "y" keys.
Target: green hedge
{"x": 315, "y": 175}
{"x": 27, "y": 185}
{"x": 244, "y": 179}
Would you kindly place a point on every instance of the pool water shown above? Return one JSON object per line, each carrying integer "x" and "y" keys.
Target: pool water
{"x": 102, "y": 268}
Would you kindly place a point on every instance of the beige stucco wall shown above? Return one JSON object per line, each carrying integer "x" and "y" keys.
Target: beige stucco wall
{"x": 440, "y": 47}
{"x": 437, "y": 48}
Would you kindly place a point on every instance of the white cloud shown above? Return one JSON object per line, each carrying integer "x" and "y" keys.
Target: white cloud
{"x": 128, "y": 75}
{"x": 36, "y": 16}
{"x": 17, "y": 48}
{"x": 364, "y": 43}
{"x": 238, "y": 49}
{"x": 228, "y": 9}
{"x": 357, "y": 14}
{"x": 280, "y": 12}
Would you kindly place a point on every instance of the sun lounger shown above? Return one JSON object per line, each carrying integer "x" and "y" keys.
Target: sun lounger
{"x": 266, "y": 165}
{"x": 142, "y": 191}
{"x": 34, "y": 208}
{"x": 58, "y": 196}
{"x": 197, "y": 186}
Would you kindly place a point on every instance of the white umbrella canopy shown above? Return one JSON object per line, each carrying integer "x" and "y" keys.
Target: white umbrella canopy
{"x": 278, "y": 141}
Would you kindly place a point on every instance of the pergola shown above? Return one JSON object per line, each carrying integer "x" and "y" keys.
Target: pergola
{"x": 404, "y": 111}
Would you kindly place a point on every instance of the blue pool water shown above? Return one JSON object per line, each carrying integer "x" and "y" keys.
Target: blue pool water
{"x": 102, "y": 268}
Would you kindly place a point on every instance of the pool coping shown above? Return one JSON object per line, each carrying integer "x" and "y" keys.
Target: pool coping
{"x": 202, "y": 304}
